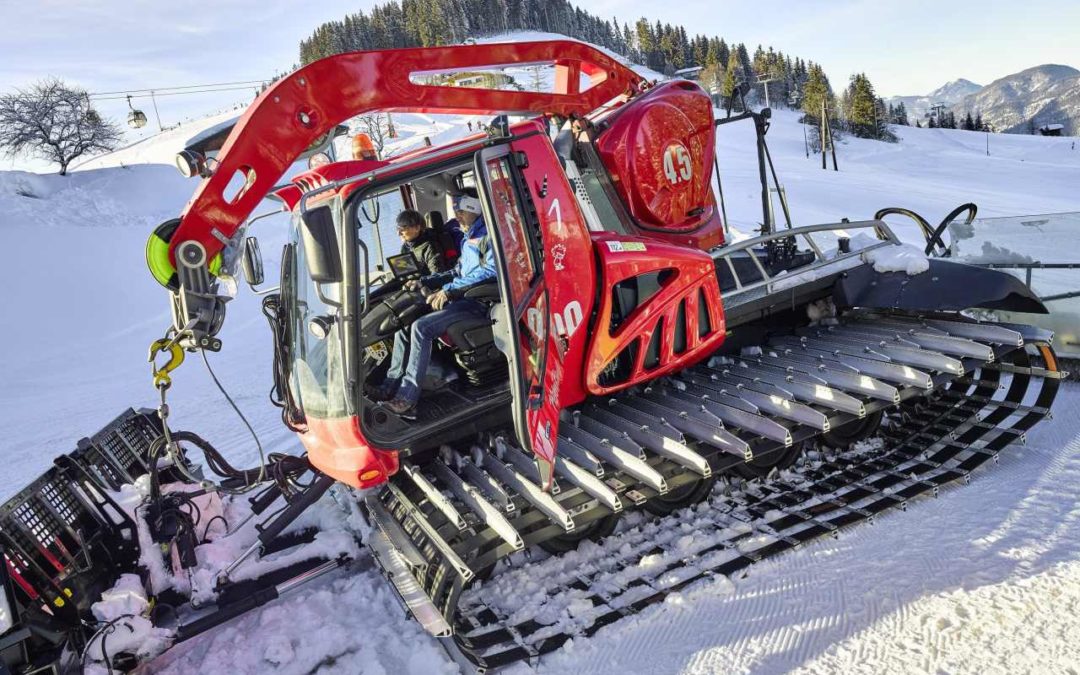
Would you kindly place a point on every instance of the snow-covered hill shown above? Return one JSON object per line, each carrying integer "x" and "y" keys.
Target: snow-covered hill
{"x": 160, "y": 148}
{"x": 982, "y": 579}
{"x": 1047, "y": 94}
{"x": 949, "y": 93}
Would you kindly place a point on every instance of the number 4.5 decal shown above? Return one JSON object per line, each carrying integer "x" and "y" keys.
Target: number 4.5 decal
{"x": 677, "y": 164}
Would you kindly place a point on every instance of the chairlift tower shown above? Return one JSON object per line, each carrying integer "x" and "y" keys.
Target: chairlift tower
{"x": 766, "y": 82}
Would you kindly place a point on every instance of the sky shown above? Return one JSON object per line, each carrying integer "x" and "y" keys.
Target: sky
{"x": 910, "y": 47}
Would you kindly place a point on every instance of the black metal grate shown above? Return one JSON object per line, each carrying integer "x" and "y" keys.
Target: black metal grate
{"x": 42, "y": 524}
{"x": 64, "y": 540}
{"x": 119, "y": 453}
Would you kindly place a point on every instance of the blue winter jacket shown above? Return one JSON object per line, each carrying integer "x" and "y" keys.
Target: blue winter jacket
{"x": 471, "y": 269}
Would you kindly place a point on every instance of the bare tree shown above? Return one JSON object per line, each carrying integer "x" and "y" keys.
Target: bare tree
{"x": 377, "y": 127}
{"x": 53, "y": 121}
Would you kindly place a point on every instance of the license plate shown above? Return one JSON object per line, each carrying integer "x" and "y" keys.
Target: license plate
{"x": 378, "y": 352}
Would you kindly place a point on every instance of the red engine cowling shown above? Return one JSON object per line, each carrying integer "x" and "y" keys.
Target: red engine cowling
{"x": 659, "y": 152}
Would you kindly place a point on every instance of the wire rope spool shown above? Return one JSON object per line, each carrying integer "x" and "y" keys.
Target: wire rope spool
{"x": 158, "y": 260}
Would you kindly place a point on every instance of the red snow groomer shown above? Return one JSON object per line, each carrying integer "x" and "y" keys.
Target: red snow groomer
{"x": 627, "y": 356}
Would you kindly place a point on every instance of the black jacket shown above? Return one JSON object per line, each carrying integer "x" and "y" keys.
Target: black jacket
{"x": 427, "y": 252}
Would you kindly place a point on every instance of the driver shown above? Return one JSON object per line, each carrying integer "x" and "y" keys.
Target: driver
{"x": 418, "y": 239}
{"x": 412, "y": 346}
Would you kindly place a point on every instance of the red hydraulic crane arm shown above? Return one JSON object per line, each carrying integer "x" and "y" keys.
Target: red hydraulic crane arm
{"x": 289, "y": 116}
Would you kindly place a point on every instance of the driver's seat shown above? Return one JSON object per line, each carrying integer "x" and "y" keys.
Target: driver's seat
{"x": 473, "y": 341}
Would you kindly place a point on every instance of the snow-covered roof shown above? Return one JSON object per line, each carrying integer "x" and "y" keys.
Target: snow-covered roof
{"x": 1052, "y": 127}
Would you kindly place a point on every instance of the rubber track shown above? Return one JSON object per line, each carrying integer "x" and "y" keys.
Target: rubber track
{"x": 959, "y": 428}
{"x": 847, "y": 490}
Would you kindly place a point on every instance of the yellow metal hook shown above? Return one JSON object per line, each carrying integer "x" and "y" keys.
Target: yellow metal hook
{"x": 176, "y": 357}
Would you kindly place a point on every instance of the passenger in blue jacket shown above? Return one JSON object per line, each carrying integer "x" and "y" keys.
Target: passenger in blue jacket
{"x": 412, "y": 346}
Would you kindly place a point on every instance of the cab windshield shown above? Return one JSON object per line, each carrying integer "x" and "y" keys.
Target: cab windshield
{"x": 316, "y": 350}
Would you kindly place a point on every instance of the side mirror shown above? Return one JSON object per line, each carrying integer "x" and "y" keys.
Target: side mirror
{"x": 321, "y": 246}
{"x": 252, "y": 262}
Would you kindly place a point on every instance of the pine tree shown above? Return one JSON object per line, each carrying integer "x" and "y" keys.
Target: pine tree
{"x": 816, "y": 92}
{"x": 882, "y": 121}
{"x": 861, "y": 111}
{"x": 700, "y": 50}
{"x": 712, "y": 56}
{"x": 747, "y": 74}
{"x": 901, "y": 114}
{"x": 645, "y": 39}
{"x": 723, "y": 52}
{"x": 727, "y": 88}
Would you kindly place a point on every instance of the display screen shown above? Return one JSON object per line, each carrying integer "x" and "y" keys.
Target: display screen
{"x": 403, "y": 265}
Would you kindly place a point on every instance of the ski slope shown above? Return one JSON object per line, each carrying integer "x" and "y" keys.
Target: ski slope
{"x": 984, "y": 578}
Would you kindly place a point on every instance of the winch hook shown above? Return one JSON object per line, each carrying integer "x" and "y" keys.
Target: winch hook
{"x": 162, "y": 379}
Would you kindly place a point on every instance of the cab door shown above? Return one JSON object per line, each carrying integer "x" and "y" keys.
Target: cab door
{"x": 524, "y": 322}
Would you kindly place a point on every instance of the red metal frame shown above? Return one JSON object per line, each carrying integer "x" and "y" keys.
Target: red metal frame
{"x": 290, "y": 115}
{"x": 570, "y": 271}
{"x": 693, "y": 275}
{"x": 337, "y": 447}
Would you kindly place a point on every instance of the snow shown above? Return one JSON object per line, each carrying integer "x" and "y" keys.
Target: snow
{"x": 7, "y": 618}
{"x": 961, "y": 583}
{"x": 901, "y": 258}
{"x": 124, "y": 609}
{"x": 160, "y": 148}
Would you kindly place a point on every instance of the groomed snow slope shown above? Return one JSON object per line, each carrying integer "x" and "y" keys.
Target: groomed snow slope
{"x": 160, "y": 148}
{"x": 983, "y": 578}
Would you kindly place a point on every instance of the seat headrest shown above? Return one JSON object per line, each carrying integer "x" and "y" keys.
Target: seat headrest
{"x": 434, "y": 220}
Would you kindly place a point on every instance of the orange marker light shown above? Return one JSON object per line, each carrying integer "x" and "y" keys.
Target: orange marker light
{"x": 370, "y": 477}
{"x": 363, "y": 147}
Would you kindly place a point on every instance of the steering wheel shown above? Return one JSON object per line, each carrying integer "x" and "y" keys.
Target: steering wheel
{"x": 391, "y": 313}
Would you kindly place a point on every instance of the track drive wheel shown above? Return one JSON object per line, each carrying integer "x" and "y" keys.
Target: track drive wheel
{"x": 759, "y": 467}
{"x": 681, "y": 497}
{"x": 598, "y": 529}
{"x": 844, "y": 436}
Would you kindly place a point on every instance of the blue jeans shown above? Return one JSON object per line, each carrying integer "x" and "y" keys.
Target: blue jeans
{"x": 412, "y": 346}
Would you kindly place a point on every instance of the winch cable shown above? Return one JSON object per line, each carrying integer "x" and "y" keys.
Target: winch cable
{"x": 285, "y": 471}
{"x": 258, "y": 444}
